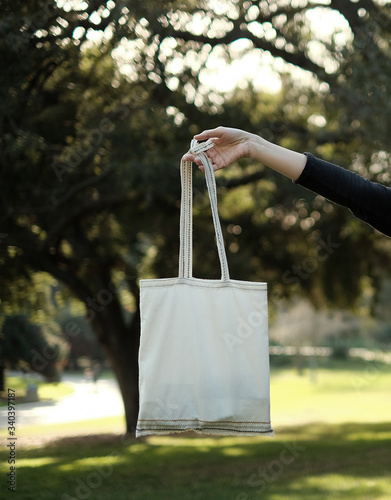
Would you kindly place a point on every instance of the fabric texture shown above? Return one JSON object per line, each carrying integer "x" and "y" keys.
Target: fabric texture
{"x": 369, "y": 201}
{"x": 204, "y": 351}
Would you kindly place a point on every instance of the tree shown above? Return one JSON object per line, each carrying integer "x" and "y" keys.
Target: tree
{"x": 86, "y": 173}
{"x": 331, "y": 108}
{"x": 98, "y": 103}
{"x": 34, "y": 347}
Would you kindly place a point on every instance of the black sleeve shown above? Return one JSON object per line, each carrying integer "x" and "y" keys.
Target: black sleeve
{"x": 369, "y": 201}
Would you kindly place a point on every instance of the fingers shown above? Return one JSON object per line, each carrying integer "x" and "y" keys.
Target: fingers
{"x": 198, "y": 162}
{"x": 190, "y": 157}
{"x": 203, "y": 136}
{"x": 213, "y": 133}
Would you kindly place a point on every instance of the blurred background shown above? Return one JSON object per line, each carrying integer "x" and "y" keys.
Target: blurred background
{"x": 99, "y": 101}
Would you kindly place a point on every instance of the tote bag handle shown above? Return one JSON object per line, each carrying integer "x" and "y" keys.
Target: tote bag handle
{"x": 186, "y": 217}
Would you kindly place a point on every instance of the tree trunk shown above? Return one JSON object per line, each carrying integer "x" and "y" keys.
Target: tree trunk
{"x": 119, "y": 340}
{"x": 122, "y": 352}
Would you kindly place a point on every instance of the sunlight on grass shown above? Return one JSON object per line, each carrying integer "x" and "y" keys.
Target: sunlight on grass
{"x": 332, "y": 441}
{"x": 36, "y": 462}
{"x": 363, "y": 434}
{"x": 96, "y": 426}
{"x": 341, "y": 486}
{"x": 196, "y": 440}
{"x": 310, "y": 432}
{"x": 54, "y": 391}
{"x": 234, "y": 451}
{"x": 81, "y": 464}
{"x": 330, "y": 396}
{"x": 45, "y": 390}
{"x": 346, "y": 461}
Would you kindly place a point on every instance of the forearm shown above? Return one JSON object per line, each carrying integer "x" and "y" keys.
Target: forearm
{"x": 282, "y": 160}
{"x": 369, "y": 201}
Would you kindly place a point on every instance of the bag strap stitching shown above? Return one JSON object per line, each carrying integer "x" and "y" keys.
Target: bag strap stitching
{"x": 186, "y": 219}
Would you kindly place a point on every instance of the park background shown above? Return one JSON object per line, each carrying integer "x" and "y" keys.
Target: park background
{"x": 99, "y": 100}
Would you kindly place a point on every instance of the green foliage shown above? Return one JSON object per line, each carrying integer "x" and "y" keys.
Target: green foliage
{"x": 81, "y": 339}
{"x": 105, "y": 132}
{"x": 34, "y": 347}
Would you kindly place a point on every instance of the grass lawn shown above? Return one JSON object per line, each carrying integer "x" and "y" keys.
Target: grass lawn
{"x": 350, "y": 391}
{"x": 45, "y": 390}
{"x": 343, "y": 453}
{"x": 320, "y": 461}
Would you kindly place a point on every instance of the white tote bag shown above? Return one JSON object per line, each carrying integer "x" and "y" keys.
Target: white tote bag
{"x": 204, "y": 349}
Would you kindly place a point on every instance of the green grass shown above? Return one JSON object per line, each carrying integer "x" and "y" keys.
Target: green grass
{"x": 342, "y": 453}
{"x": 37, "y": 433}
{"x": 320, "y": 461}
{"x": 45, "y": 390}
{"x": 336, "y": 392}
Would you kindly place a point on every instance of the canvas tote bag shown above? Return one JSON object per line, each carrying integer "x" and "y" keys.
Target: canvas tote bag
{"x": 204, "y": 349}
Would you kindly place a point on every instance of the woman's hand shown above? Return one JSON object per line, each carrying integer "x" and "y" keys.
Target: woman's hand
{"x": 230, "y": 144}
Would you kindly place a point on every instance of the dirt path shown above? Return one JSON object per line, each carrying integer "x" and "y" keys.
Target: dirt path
{"x": 89, "y": 401}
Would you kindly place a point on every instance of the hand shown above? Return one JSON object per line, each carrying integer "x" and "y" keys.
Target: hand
{"x": 230, "y": 144}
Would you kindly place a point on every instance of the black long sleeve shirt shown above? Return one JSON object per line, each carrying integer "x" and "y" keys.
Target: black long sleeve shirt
{"x": 369, "y": 201}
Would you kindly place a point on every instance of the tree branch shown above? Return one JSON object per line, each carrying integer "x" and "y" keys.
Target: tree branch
{"x": 84, "y": 209}
{"x": 349, "y": 11}
{"x": 296, "y": 58}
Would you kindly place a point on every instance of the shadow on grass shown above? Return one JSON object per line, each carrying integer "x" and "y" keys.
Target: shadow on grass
{"x": 349, "y": 461}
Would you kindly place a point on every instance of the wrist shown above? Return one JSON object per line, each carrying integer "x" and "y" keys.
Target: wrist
{"x": 257, "y": 146}
{"x": 286, "y": 162}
